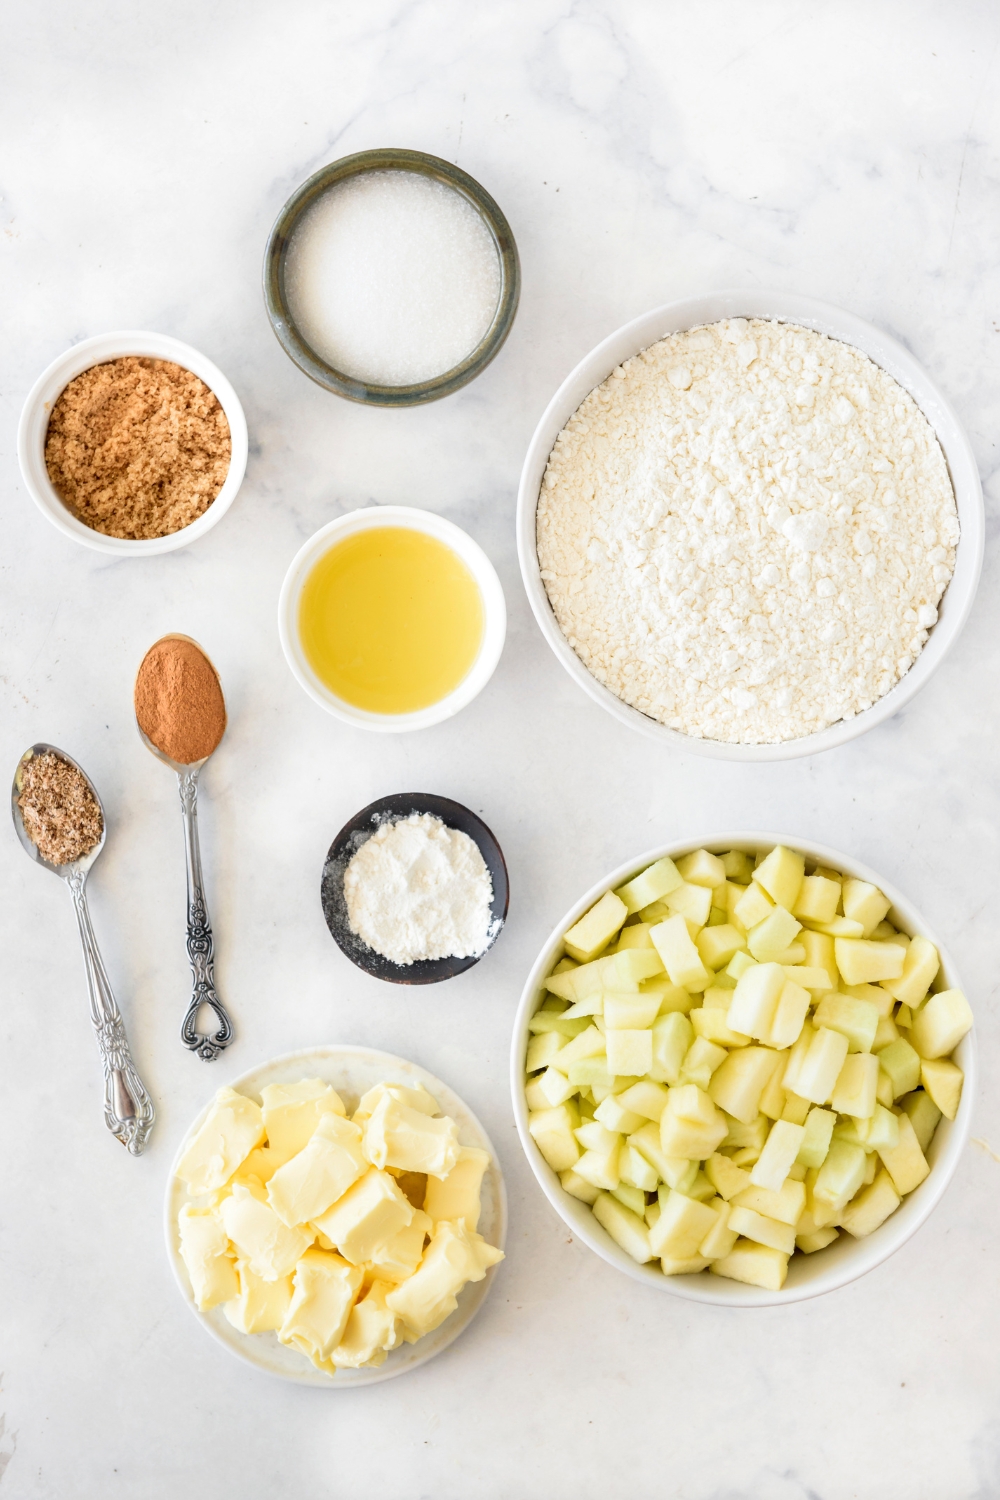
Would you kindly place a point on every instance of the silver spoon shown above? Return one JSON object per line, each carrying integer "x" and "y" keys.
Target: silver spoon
{"x": 128, "y": 1109}
{"x": 200, "y": 942}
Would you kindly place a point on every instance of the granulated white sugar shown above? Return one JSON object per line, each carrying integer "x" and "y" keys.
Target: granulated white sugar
{"x": 392, "y": 277}
{"x": 745, "y": 532}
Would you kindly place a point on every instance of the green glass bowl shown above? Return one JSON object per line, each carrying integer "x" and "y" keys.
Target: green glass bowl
{"x": 292, "y": 341}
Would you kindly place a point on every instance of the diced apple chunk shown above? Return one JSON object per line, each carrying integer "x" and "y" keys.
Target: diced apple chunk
{"x": 864, "y": 903}
{"x": 683, "y": 1267}
{"x": 840, "y": 1176}
{"x": 757, "y": 1265}
{"x": 871, "y": 1207}
{"x": 578, "y": 1186}
{"x": 700, "y": 1062}
{"x": 780, "y": 1150}
{"x": 755, "y": 1000}
{"x": 781, "y": 874}
{"x": 718, "y": 945}
{"x": 762, "y": 1230}
{"x": 817, "y": 1240}
{"x": 630, "y": 1012}
{"x": 624, "y": 1227}
{"x": 787, "y": 1205}
{"x": 752, "y": 907}
{"x": 552, "y": 1132}
{"x": 655, "y": 882}
{"x": 902, "y": 1066}
{"x": 737, "y": 1085}
{"x": 542, "y": 1049}
{"x": 635, "y": 1170}
{"x": 613, "y": 1115}
{"x": 727, "y": 1179}
{"x": 600, "y": 1168}
{"x": 943, "y": 1082}
{"x": 856, "y": 1019}
{"x": 789, "y": 1016}
{"x": 905, "y": 1162}
{"x": 771, "y": 937}
{"x": 691, "y": 1126}
{"x": 941, "y": 1023}
{"x": 693, "y": 902}
{"x": 924, "y": 1116}
{"x": 679, "y": 954}
{"x": 645, "y": 1098}
{"x": 861, "y": 961}
{"x": 630, "y": 1053}
{"x": 672, "y": 1036}
{"x": 712, "y": 1024}
{"x": 854, "y": 1091}
{"x": 920, "y": 968}
{"x": 817, "y": 1074}
{"x": 681, "y": 1227}
{"x": 818, "y": 899}
{"x": 702, "y": 868}
{"x": 881, "y": 1130}
{"x": 596, "y": 928}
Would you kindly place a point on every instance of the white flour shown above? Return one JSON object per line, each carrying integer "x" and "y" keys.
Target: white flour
{"x": 418, "y": 889}
{"x": 746, "y": 530}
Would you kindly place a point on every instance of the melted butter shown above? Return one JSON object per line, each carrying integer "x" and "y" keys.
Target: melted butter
{"x": 390, "y": 619}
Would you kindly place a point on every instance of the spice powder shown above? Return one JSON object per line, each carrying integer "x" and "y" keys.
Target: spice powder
{"x": 178, "y": 700}
{"x": 60, "y": 813}
{"x": 137, "y": 448}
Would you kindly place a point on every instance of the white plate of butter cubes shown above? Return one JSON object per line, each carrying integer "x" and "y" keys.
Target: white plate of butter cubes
{"x": 352, "y": 1072}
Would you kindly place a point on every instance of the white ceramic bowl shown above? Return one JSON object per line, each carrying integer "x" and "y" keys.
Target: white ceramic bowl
{"x": 785, "y": 307}
{"x": 808, "y": 1275}
{"x": 53, "y": 381}
{"x": 352, "y": 1071}
{"x": 475, "y": 559}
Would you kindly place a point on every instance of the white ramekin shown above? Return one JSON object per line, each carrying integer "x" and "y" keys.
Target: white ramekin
{"x": 808, "y": 1275}
{"x": 885, "y": 351}
{"x": 475, "y": 559}
{"x": 53, "y": 381}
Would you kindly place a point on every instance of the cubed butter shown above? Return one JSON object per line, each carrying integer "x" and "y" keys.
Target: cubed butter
{"x": 259, "y": 1306}
{"x": 329, "y": 1162}
{"x": 416, "y": 1098}
{"x": 293, "y": 1110}
{"x": 204, "y": 1250}
{"x": 396, "y": 1135}
{"x": 400, "y": 1256}
{"x": 367, "y": 1217}
{"x": 232, "y": 1128}
{"x": 325, "y": 1286}
{"x": 454, "y": 1257}
{"x": 372, "y": 1330}
{"x": 269, "y": 1246}
{"x": 457, "y": 1195}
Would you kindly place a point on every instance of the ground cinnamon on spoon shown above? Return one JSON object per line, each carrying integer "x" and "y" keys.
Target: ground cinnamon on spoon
{"x": 178, "y": 700}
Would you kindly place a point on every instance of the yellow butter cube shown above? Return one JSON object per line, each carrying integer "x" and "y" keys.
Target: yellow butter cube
{"x": 231, "y": 1130}
{"x": 454, "y": 1257}
{"x": 400, "y": 1256}
{"x": 397, "y": 1136}
{"x": 268, "y": 1245}
{"x": 204, "y": 1247}
{"x": 367, "y": 1217}
{"x": 259, "y": 1306}
{"x": 317, "y": 1175}
{"x": 324, "y": 1290}
{"x": 416, "y": 1098}
{"x": 457, "y": 1195}
{"x": 291, "y": 1112}
{"x": 372, "y": 1330}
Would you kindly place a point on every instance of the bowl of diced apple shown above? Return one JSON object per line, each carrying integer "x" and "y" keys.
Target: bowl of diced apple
{"x": 743, "y": 1070}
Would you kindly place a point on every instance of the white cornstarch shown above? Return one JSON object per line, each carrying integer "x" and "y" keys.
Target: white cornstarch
{"x": 418, "y": 889}
{"x": 392, "y": 277}
{"x": 745, "y": 532}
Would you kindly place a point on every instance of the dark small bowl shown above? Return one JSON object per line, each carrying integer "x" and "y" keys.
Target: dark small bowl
{"x": 313, "y": 364}
{"x": 357, "y": 832}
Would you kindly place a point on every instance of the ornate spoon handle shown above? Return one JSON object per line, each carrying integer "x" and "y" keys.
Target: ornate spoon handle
{"x": 200, "y": 945}
{"x": 128, "y": 1109}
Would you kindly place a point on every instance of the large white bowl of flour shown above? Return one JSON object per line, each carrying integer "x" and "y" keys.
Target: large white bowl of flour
{"x": 851, "y": 513}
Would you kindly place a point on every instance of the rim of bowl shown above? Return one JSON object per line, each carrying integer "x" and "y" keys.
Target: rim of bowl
{"x": 99, "y": 350}
{"x": 883, "y": 350}
{"x": 475, "y": 559}
{"x": 312, "y": 364}
{"x": 847, "y": 1259}
{"x": 356, "y": 831}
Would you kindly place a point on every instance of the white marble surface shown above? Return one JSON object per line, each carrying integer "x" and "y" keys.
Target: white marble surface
{"x": 642, "y": 152}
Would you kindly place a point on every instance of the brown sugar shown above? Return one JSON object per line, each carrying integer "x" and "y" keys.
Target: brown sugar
{"x": 178, "y": 700}
{"x": 59, "y": 811}
{"x": 137, "y": 448}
